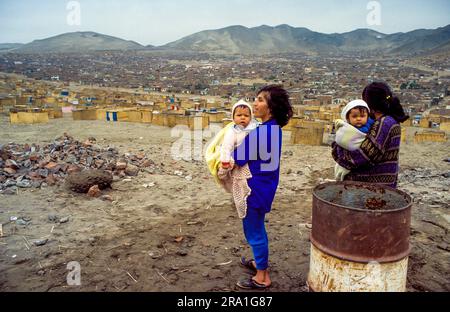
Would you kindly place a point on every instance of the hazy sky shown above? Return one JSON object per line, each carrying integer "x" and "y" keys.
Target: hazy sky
{"x": 158, "y": 22}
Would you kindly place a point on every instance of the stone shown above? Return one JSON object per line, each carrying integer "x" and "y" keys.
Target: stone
{"x": 50, "y": 180}
{"x": 147, "y": 163}
{"x": 140, "y": 156}
{"x": 9, "y": 191}
{"x": 182, "y": 253}
{"x": 34, "y": 175}
{"x": 71, "y": 159}
{"x": 107, "y": 198}
{"x": 99, "y": 163}
{"x": 52, "y": 166}
{"x": 64, "y": 220}
{"x": 72, "y": 169}
{"x": 34, "y": 157}
{"x": 121, "y": 165}
{"x": 9, "y": 183}
{"x": 41, "y": 242}
{"x": 11, "y": 164}
{"x": 179, "y": 239}
{"x": 81, "y": 182}
{"x": 9, "y": 171}
{"x": 89, "y": 161}
{"x": 43, "y": 172}
{"x": 24, "y": 184}
{"x": 22, "y": 222}
{"x": 132, "y": 170}
{"x": 94, "y": 191}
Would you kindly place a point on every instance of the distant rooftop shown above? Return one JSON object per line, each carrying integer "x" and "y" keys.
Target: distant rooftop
{"x": 441, "y": 112}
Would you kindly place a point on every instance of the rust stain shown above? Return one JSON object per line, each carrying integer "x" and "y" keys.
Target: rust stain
{"x": 338, "y": 230}
{"x": 375, "y": 203}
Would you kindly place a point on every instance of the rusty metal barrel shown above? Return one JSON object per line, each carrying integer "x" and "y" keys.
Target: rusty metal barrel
{"x": 360, "y": 238}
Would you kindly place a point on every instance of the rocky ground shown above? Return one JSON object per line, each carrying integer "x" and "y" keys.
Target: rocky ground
{"x": 165, "y": 225}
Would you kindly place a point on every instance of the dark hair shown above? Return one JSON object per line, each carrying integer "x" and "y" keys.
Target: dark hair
{"x": 242, "y": 106}
{"x": 379, "y": 97}
{"x": 279, "y": 105}
{"x": 360, "y": 108}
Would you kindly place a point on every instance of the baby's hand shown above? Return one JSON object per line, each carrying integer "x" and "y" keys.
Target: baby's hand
{"x": 339, "y": 123}
{"x": 340, "y": 172}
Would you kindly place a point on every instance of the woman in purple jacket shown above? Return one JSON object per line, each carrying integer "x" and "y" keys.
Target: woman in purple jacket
{"x": 261, "y": 150}
{"x": 376, "y": 161}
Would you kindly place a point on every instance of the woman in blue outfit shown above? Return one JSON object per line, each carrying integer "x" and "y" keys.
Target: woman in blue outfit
{"x": 261, "y": 150}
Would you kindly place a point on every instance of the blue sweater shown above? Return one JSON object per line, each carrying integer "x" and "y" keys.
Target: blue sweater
{"x": 261, "y": 150}
{"x": 367, "y": 126}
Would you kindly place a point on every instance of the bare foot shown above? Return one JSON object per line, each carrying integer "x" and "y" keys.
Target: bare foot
{"x": 262, "y": 277}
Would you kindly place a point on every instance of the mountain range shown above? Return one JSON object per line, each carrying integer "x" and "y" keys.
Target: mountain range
{"x": 258, "y": 40}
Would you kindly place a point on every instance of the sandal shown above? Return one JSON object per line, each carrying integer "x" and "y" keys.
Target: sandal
{"x": 250, "y": 283}
{"x": 248, "y": 263}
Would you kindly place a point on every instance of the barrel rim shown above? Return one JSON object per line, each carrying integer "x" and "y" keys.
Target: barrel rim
{"x": 404, "y": 194}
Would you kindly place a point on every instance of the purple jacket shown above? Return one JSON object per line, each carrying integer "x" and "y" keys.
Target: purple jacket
{"x": 376, "y": 161}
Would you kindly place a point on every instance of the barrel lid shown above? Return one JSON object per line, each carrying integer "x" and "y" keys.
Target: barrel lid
{"x": 362, "y": 196}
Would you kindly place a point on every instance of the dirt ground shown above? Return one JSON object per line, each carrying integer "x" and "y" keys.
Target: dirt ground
{"x": 179, "y": 234}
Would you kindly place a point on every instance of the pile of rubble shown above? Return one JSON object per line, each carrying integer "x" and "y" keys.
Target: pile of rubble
{"x": 34, "y": 166}
{"x": 427, "y": 186}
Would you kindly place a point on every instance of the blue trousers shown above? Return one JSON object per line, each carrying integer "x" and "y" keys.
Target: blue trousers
{"x": 256, "y": 235}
